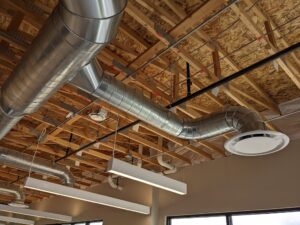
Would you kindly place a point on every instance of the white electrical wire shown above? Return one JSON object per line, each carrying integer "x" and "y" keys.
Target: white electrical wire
{"x": 39, "y": 139}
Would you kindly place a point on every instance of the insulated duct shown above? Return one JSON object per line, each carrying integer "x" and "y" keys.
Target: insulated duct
{"x": 171, "y": 168}
{"x": 9, "y": 189}
{"x": 71, "y": 37}
{"x": 112, "y": 183}
{"x": 24, "y": 162}
{"x": 91, "y": 79}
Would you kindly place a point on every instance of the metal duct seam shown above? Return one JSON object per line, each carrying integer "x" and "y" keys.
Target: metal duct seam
{"x": 24, "y": 162}
{"x": 71, "y": 37}
{"x": 92, "y": 80}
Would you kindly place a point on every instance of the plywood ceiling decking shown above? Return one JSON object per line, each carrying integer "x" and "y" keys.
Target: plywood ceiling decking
{"x": 247, "y": 32}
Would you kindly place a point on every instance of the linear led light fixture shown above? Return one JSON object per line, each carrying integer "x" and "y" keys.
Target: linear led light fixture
{"x": 127, "y": 170}
{"x": 16, "y": 220}
{"x": 35, "y": 213}
{"x": 86, "y": 196}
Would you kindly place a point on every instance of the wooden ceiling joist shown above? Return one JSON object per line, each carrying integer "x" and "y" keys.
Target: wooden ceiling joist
{"x": 161, "y": 80}
{"x": 291, "y": 71}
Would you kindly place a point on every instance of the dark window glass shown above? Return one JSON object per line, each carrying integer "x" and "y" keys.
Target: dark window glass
{"x": 285, "y": 218}
{"x": 212, "y": 220}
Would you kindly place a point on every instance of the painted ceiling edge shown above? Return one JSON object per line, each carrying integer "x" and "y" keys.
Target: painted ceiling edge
{"x": 24, "y": 162}
{"x": 75, "y": 32}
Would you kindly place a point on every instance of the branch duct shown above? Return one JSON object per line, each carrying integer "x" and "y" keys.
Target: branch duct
{"x": 92, "y": 80}
{"x": 71, "y": 37}
{"x": 171, "y": 168}
{"x": 12, "y": 190}
{"x": 112, "y": 183}
{"x": 24, "y": 162}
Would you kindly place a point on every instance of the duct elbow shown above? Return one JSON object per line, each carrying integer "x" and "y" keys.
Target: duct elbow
{"x": 67, "y": 177}
{"x": 114, "y": 185}
{"x": 238, "y": 119}
{"x": 243, "y": 120}
{"x": 15, "y": 191}
{"x": 12, "y": 190}
{"x": 171, "y": 168}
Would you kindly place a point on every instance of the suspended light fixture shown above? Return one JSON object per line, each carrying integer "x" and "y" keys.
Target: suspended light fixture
{"x": 78, "y": 194}
{"x": 35, "y": 213}
{"x": 16, "y": 220}
{"x": 127, "y": 170}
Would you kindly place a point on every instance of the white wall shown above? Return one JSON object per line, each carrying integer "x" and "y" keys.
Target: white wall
{"x": 228, "y": 184}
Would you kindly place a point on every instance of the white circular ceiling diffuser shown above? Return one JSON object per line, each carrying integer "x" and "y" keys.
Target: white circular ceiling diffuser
{"x": 256, "y": 143}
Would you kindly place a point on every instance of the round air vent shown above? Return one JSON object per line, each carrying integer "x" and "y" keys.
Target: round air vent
{"x": 255, "y": 143}
{"x": 99, "y": 116}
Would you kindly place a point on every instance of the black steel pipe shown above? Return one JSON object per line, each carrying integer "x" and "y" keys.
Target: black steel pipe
{"x": 188, "y": 80}
{"x": 197, "y": 93}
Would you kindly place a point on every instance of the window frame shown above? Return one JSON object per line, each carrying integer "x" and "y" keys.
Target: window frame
{"x": 228, "y": 215}
{"x": 85, "y": 222}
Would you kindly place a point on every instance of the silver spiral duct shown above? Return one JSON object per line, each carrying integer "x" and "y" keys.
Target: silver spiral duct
{"x": 72, "y": 36}
{"x": 12, "y": 190}
{"x": 91, "y": 79}
{"x": 24, "y": 162}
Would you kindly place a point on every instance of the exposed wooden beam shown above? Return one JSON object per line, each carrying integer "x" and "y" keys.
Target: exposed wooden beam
{"x": 210, "y": 44}
{"x": 264, "y": 17}
{"x": 149, "y": 25}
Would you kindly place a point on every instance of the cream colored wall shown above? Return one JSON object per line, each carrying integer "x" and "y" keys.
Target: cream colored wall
{"x": 228, "y": 184}
{"x": 238, "y": 184}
